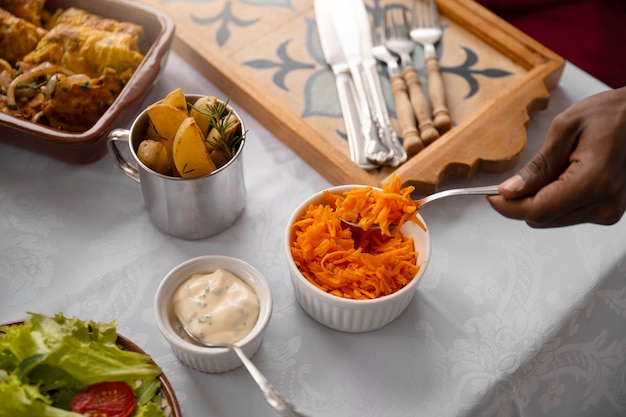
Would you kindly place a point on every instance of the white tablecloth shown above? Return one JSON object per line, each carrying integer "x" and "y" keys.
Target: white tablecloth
{"x": 507, "y": 321}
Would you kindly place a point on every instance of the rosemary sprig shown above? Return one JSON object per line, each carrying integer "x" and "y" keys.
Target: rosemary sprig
{"x": 228, "y": 145}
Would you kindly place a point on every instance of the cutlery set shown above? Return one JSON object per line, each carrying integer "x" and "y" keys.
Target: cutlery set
{"x": 352, "y": 49}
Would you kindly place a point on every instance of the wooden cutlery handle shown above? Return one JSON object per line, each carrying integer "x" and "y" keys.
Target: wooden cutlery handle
{"x": 411, "y": 137}
{"x": 420, "y": 105}
{"x": 441, "y": 114}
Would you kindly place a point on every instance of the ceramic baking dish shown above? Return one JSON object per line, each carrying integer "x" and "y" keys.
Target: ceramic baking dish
{"x": 90, "y": 145}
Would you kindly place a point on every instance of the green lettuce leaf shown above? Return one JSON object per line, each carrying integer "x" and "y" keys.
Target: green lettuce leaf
{"x": 148, "y": 409}
{"x": 61, "y": 351}
{"x": 23, "y": 400}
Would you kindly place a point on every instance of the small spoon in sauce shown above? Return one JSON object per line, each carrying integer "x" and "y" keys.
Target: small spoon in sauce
{"x": 485, "y": 190}
{"x": 272, "y": 396}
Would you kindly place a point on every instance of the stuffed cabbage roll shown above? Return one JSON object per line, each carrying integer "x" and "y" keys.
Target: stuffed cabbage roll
{"x": 79, "y": 17}
{"x": 29, "y": 10}
{"x": 77, "y": 101}
{"x": 17, "y": 37}
{"x": 88, "y": 51}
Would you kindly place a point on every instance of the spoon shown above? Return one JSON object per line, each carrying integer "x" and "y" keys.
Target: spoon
{"x": 272, "y": 396}
{"x": 485, "y": 190}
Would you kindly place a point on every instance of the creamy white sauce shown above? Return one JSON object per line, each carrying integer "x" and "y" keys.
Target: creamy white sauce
{"x": 218, "y": 307}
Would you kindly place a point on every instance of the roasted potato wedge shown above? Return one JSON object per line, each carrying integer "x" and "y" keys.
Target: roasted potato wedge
{"x": 189, "y": 153}
{"x": 232, "y": 127}
{"x": 199, "y": 111}
{"x": 155, "y": 156}
{"x": 219, "y": 157}
{"x": 213, "y": 138}
{"x": 177, "y": 99}
{"x": 166, "y": 120}
{"x": 151, "y": 133}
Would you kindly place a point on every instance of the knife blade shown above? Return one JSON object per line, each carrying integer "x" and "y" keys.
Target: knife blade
{"x": 348, "y": 34}
{"x": 335, "y": 58}
{"x": 364, "y": 32}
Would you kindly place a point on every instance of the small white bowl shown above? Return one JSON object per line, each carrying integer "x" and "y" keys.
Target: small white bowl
{"x": 344, "y": 314}
{"x": 212, "y": 360}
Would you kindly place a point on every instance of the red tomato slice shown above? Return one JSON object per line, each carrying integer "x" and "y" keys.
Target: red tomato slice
{"x": 112, "y": 399}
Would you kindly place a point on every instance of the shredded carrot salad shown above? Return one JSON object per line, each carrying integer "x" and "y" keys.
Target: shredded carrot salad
{"x": 354, "y": 263}
{"x": 391, "y": 206}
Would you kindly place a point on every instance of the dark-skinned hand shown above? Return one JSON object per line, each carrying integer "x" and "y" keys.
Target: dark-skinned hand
{"x": 579, "y": 174}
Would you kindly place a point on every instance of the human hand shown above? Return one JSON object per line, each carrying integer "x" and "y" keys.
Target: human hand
{"x": 579, "y": 174}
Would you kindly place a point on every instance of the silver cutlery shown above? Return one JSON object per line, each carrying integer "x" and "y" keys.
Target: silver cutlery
{"x": 272, "y": 396}
{"x": 336, "y": 59}
{"x": 426, "y": 31}
{"x": 406, "y": 118}
{"x": 350, "y": 37}
{"x": 388, "y": 132}
{"x": 398, "y": 41}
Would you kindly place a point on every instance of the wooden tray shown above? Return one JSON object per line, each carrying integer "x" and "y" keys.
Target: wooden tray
{"x": 267, "y": 56}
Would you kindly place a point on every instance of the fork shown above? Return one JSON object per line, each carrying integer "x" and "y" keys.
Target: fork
{"x": 419, "y": 203}
{"x": 397, "y": 40}
{"x": 410, "y": 135}
{"x": 426, "y": 31}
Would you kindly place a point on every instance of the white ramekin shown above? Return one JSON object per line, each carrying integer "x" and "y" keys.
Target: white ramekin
{"x": 212, "y": 360}
{"x": 353, "y": 315}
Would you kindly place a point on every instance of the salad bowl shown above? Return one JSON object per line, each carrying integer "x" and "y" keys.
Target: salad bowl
{"x": 165, "y": 396}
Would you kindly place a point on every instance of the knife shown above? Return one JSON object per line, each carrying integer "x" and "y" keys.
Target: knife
{"x": 388, "y": 133}
{"x": 335, "y": 58}
{"x": 348, "y": 33}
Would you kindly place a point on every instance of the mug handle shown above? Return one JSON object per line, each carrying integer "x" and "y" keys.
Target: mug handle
{"x": 121, "y": 135}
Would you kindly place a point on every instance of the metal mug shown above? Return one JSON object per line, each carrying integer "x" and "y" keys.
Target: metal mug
{"x": 187, "y": 208}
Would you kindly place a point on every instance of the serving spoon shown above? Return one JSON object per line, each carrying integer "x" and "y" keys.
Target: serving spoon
{"x": 272, "y": 396}
{"x": 484, "y": 190}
